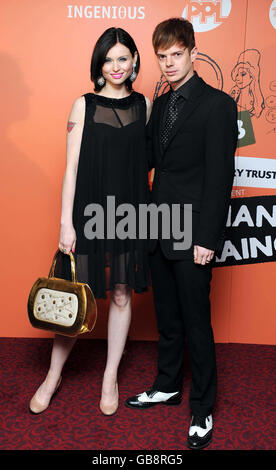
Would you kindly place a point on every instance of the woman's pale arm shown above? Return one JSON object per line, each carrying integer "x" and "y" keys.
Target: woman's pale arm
{"x": 74, "y": 136}
{"x": 149, "y": 108}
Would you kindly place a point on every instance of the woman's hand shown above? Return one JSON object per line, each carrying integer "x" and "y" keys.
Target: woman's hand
{"x": 67, "y": 239}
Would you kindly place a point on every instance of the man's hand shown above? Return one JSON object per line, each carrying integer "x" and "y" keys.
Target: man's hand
{"x": 202, "y": 255}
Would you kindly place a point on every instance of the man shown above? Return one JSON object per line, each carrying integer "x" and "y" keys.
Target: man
{"x": 192, "y": 133}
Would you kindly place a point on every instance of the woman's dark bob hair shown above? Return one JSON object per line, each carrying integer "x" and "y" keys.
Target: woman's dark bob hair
{"x": 107, "y": 40}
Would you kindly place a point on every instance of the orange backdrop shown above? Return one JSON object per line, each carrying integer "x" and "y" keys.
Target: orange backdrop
{"x": 45, "y": 61}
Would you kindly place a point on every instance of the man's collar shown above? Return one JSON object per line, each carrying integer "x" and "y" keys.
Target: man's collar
{"x": 186, "y": 89}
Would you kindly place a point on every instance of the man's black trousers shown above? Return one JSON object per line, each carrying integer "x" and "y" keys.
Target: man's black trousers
{"x": 181, "y": 296}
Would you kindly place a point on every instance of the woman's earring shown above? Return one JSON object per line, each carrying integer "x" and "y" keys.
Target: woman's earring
{"x": 134, "y": 74}
{"x": 101, "y": 81}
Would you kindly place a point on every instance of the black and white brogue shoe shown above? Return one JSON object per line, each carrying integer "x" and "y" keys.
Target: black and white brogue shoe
{"x": 153, "y": 397}
{"x": 200, "y": 432}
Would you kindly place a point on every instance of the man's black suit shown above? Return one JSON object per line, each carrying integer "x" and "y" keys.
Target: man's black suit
{"x": 196, "y": 167}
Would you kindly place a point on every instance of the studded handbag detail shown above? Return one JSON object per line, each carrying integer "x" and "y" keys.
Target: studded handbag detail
{"x": 62, "y": 306}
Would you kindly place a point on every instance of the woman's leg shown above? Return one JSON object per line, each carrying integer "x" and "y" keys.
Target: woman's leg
{"x": 118, "y": 326}
{"x": 62, "y": 347}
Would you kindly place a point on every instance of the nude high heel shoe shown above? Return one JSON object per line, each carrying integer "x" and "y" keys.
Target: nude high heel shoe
{"x": 36, "y": 407}
{"x": 109, "y": 410}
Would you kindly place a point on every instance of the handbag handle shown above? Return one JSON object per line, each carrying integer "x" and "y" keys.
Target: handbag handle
{"x": 73, "y": 265}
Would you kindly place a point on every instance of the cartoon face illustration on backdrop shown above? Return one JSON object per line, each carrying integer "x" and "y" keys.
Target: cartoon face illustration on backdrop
{"x": 246, "y": 75}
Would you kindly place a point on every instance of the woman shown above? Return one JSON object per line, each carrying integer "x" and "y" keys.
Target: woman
{"x": 105, "y": 157}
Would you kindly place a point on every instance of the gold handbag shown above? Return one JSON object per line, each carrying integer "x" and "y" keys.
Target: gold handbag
{"x": 64, "y": 307}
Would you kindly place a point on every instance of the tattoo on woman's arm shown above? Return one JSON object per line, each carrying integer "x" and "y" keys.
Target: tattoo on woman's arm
{"x": 70, "y": 126}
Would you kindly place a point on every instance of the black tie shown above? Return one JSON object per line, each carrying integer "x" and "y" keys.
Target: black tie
{"x": 171, "y": 117}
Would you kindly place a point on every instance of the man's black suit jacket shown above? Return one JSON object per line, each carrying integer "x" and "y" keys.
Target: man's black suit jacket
{"x": 197, "y": 166}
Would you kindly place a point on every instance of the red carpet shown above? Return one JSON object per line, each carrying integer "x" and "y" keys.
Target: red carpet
{"x": 244, "y": 418}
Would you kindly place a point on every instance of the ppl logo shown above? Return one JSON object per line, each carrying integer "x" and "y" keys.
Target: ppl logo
{"x": 272, "y": 14}
{"x": 206, "y": 14}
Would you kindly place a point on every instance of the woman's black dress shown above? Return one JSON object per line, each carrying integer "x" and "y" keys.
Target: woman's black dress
{"x": 112, "y": 163}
